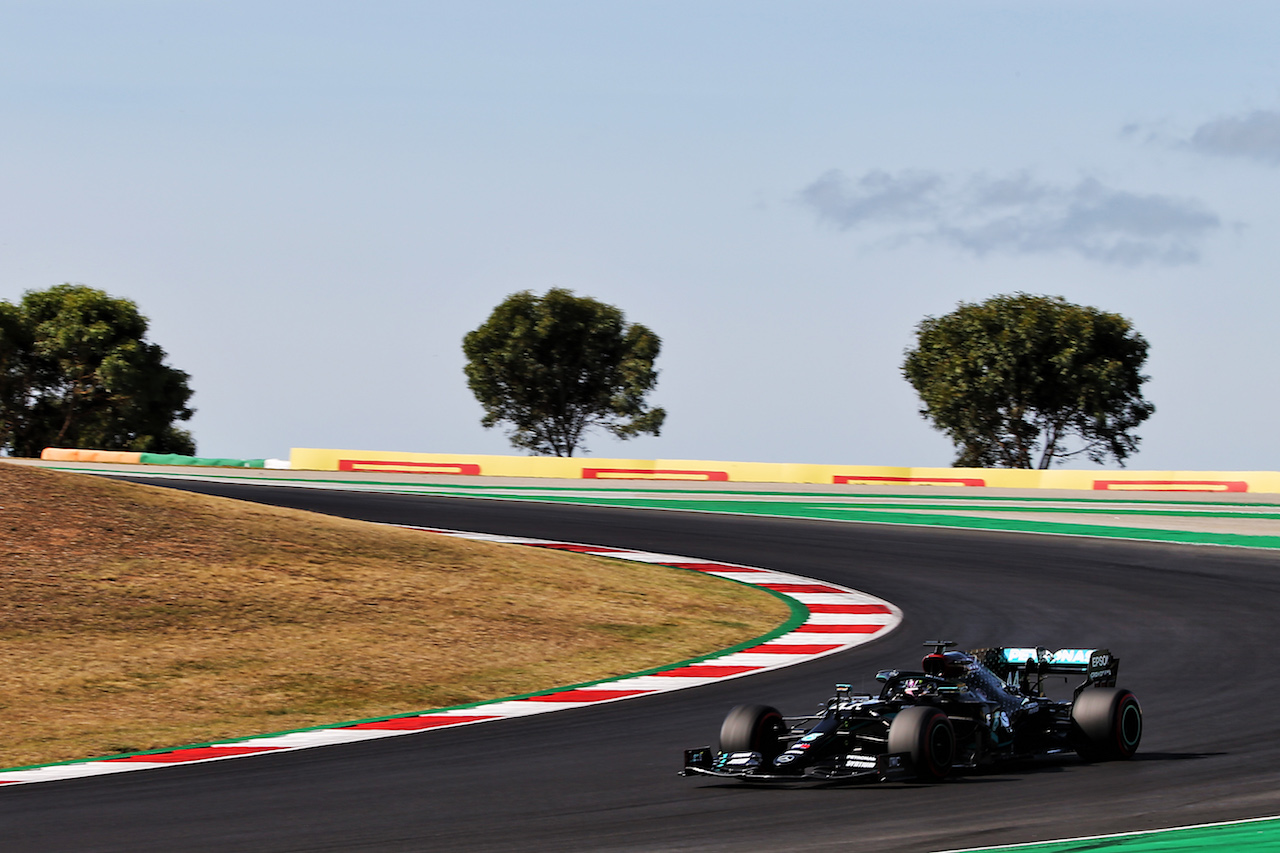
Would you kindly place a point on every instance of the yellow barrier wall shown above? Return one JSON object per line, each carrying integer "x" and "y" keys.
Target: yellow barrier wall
{"x": 590, "y": 468}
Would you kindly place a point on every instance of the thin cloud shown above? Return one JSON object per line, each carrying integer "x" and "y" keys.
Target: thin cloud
{"x": 1016, "y": 214}
{"x": 877, "y": 195}
{"x": 1255, "y": 136}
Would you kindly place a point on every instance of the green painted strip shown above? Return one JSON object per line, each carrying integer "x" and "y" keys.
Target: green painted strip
{"x": 464, "y": 488}
{"x": 784, "y": 509}
{"x": 200, "y": 461}
{"x": 1112, "y": 505}
{"x": 1080, "y": 510}
{"x": 641, "y": 486}
{"x": 1253, "y": 836}
{"x": 1116, "y": 505}
{"x": 906, "y": 512}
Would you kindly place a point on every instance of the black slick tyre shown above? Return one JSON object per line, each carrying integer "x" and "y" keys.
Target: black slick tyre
{"x": 926, "y": 734}
{"x": 1107, "y": 724}
{"x": 753, "y": 728}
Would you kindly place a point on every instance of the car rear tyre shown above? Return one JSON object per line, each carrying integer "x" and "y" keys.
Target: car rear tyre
{"x": 753, "y": 728}
{"x": 1108, "y": 724}
{"x": 926, "y": 734}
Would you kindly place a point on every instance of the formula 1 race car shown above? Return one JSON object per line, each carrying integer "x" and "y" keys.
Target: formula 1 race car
{"x": 963, "y": 710}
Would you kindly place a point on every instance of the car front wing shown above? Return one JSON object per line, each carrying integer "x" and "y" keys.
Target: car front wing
{"x": 886, "y": 767}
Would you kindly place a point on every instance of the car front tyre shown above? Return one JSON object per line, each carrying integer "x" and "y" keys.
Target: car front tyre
{"x": 753, "y": 728}
{"x": 927, "y": 735}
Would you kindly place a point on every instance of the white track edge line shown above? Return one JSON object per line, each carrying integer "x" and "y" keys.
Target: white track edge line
{"x": 1131, "y": 834}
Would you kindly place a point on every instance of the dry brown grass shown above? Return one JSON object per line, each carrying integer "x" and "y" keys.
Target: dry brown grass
{"x": 135, "y": 618}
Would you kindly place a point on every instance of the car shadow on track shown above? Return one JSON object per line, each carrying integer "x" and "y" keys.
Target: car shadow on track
{"x": 1009, "y": 772}
{"x": 850, "y": 785}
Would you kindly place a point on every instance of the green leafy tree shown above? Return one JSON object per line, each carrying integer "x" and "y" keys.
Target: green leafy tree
{"x": 1020, "y": 375}
{"x": 554, "y": 366}
{"x": 16, "y": 352}
{"x": 76, "y": 371}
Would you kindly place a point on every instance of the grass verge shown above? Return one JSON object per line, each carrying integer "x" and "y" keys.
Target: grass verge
{"x": 135, "y": 618}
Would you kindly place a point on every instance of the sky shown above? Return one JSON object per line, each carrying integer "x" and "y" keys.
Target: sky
{"x": 313, "y": 202}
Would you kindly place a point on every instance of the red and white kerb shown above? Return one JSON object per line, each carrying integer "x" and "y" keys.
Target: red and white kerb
{"x": 838, "y": 618}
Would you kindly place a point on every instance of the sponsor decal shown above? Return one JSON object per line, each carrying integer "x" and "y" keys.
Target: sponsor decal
{"x": 1072, "y": 656}
{"x": 1069, "y": 657}
{"x": 1019, "y": 655}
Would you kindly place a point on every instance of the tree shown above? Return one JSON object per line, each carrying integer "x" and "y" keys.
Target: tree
{"x": 1021, "y": 374}
{"x": 76, "y": 370}
{"x": 557, "y": 365}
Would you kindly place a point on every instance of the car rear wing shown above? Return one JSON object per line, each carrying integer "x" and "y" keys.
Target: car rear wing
{"x": 1098, "y": 666}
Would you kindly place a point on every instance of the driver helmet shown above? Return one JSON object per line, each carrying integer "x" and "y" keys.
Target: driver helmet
{"x": 915, "y": 687}
{"x": 949, "y": 665}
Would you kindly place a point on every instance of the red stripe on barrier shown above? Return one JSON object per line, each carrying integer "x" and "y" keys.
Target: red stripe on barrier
{"x": 846, "y": 479}
{"x": 802, "y": 587}
{"x": 586, "y": 695}
{"x": 652, "y": 474}
{"x": 417, "y": 723}
{"x": 702, "y": 670}
{"x": 838, "y": 629}
{"x": 1171, "y": 485}
{"x": 577, "y": 549}
{"x": 790, "y": 649}
{"x": 196, "y": 754}
{"x": 848, "y": 608}
{"x": 370, "y": 465}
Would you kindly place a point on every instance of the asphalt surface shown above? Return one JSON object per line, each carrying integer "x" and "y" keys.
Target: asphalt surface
{"x": 1191, "y": 625}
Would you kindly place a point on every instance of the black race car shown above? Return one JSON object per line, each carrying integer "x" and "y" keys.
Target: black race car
{"x": 961, "y": 710}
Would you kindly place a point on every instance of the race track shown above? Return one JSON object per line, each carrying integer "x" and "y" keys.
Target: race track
{"x": 1192, "y": 626}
